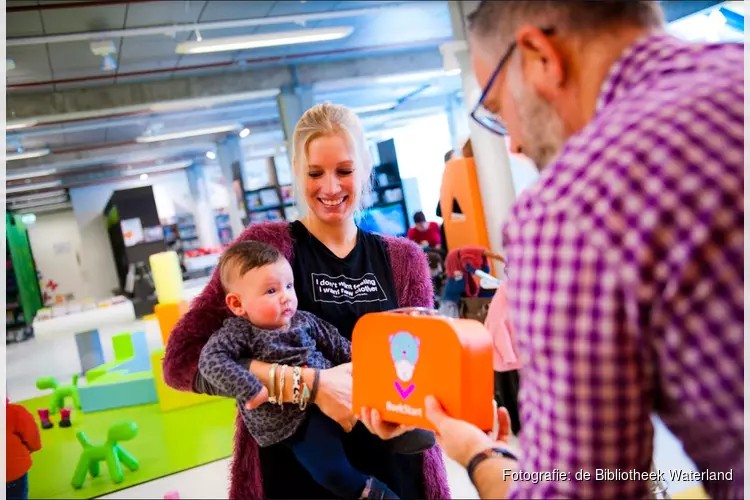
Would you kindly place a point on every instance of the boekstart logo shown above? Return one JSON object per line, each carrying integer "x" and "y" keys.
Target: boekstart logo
{"x": 405, "y": 354}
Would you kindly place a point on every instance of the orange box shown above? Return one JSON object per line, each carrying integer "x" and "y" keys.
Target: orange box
{"x": 168, "y": 315}
{"x": 399, "y": 357}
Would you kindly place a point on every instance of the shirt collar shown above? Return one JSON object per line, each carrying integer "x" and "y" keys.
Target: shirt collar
{"x": 648, "y": 56}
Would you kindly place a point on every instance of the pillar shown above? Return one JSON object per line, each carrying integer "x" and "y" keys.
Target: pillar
{"x": 231, "y": 159}
{"x": 205, "y": 221}
{"x": 458, "y": 120}
{"x": 292, "y": 102}
{"x": 490, "y": 150}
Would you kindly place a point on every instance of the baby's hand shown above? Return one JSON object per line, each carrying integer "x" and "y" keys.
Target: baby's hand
{"x": 258, "y": 400}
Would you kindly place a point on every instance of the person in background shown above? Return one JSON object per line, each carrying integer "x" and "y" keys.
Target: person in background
{"x": 625, "y": 258}
{"x": 424, "y": 233}
{"x": 22, "y": 439}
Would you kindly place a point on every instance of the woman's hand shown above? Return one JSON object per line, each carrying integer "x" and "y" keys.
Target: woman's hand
{"x": 334, "y": 396}
{"x": 461, "y": 440}
{"x": 376, "y": 425}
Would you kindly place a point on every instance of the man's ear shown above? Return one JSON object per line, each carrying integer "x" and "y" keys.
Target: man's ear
{"x": 543, "y": 64}
{"x": 234, "y": 304}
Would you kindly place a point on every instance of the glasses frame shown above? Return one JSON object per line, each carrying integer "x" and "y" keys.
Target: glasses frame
{"x": 496, "y": 125}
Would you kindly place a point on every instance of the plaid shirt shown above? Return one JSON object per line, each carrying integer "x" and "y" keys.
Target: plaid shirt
{"x": 626, "y": 278}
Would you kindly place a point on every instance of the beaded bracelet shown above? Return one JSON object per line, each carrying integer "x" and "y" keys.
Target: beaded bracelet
{"x": 281, "y": 385}
{"x": 296, "y": 375}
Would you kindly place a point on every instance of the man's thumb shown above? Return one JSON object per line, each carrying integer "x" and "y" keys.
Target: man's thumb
{"x": 433, "y": 411}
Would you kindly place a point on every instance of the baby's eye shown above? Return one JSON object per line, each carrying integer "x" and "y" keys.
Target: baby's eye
{"x": 289, "y": 286}
{"x": 271, "y": 291}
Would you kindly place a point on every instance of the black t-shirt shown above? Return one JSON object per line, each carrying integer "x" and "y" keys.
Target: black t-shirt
{"x": 340, "y": 290}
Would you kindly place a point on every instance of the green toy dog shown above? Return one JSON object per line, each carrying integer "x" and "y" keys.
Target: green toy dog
{"x": 110, "y": 452}
{"x": 60, "y": 392}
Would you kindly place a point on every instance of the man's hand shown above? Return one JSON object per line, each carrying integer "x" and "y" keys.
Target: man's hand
{"x": 258, "y": 400}
{"x": 461, "y": 440}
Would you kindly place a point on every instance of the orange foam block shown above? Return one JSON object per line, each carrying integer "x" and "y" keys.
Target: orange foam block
{"x": 398, "y": 359}
{"x": 168, "y": 315}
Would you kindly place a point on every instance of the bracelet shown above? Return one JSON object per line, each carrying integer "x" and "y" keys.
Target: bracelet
{"x": 281, "y": 385}
{"x": 314, "y": 390}
{"x": 272, "y": 383}
{"x": 305, "y": 398}
{"x": 296, "y": 372}
{"x": 484, "y": 455}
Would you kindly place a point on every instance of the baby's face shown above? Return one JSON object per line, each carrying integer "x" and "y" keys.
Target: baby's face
{"x": 266, "y": 296}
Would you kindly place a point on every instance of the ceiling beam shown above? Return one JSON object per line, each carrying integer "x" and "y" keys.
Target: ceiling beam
{"x": 20, "y": 106}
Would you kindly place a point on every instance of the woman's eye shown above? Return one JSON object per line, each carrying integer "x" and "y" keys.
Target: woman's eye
{"x": 314, "y": 175}
{"x": 271, "y": 291}
{"x": 345, "y": 172}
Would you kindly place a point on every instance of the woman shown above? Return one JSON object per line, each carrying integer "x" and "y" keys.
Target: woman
{"x": 330, "y": 256}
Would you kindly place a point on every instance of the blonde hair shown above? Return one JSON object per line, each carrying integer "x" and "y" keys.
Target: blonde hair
{"x": 325, "y": 120}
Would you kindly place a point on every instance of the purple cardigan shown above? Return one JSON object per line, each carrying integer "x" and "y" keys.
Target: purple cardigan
{"x": 208, "y": 311}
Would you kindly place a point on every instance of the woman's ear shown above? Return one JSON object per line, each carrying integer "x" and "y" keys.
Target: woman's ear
{"x": 234, "y": 304}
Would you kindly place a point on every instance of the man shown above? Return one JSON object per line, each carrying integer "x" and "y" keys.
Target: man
{"x": 625, "y": 274}
{"x": 424, "y": 233}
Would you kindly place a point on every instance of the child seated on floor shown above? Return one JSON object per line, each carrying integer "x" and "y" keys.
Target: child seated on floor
{"x": 259, "y": 287}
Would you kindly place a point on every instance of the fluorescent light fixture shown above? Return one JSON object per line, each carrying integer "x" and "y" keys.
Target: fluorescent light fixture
{"x": 420, "y": 77}
{"x": 26, "y": 154}
{"x": 37, "y": 196}
{"x": 30, "y": 175}
{"x": 375, "y": 107}
{"x": 184, "y": 134}
{"x": 31, "y": 187}
{"x": 263, "y": 40}
{"x": 158, "y": 168}
{"x": 209, "y": 102}
{"x": 20, "y": 125}
{"x": 144, "y": 177}
{"x": 28, "y": 219}
{"x": 39, "y": 203}
{"x": 244, "y": 132}
{"x": 210, "y": 155}
{"x": 453, "y": 72}
{"x": 48, "y": 208}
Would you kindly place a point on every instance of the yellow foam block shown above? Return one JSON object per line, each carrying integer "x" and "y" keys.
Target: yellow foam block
{"x": 165, "y": 269}
{"x": 172, "y": 399}
{"x": 168, "y": 315}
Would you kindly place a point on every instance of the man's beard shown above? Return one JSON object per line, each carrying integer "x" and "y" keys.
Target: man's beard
{"x": 542, "y": 130}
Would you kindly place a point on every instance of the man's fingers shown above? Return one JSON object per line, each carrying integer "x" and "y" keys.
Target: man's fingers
{"x": 434, "y": 411}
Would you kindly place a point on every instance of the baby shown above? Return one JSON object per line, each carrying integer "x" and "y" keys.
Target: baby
{"x": 259, "y": 288}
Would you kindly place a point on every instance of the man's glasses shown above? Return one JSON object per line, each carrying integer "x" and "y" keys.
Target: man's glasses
{"x": 482, "y": 115}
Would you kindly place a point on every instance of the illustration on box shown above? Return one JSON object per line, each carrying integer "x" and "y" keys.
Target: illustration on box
{"x": 405, "y": 354}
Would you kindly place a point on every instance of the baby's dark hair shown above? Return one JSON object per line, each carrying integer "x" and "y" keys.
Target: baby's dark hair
{"x": 243, "y": 256}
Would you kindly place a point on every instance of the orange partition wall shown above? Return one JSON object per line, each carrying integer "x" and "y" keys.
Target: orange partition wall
{"x": 460, "y": 183}
{"x": 168, "y": 315}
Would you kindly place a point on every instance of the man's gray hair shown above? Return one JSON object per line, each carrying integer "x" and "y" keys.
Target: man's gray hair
{"x": 499, "y": 19}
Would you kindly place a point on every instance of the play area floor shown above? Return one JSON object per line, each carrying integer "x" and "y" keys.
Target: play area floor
{"x": 166, "y": 443}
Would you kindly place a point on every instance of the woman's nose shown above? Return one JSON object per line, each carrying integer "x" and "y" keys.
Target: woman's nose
{"x": 331, "y": 184}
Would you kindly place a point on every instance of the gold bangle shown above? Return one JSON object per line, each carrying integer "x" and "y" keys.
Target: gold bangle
{"x": 281, "y": 385}
{"x": 272, "y": 383}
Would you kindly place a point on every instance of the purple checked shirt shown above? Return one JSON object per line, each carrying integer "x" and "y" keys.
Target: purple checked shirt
{"x": 625, "y": 278}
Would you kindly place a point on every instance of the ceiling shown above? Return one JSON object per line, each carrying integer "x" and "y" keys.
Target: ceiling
{"x": 50, "y": 46}
{"x": 90, "y": 118}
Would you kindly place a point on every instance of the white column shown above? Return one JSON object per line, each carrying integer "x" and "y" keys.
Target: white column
{"x": 490, "y": 150}
{"x": 229, "y": 154}
{"x": 292, "y": 102}
{"x": 205, "y": 221}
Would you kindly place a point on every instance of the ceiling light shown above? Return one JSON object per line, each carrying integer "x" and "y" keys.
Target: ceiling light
{"x": 419, "y": 77}
{"x": 144, "y": 177}
{"x": 28, "y": 219}
{"x": 30, "y": 175}
{"x": 26, "y": 154}
{"x": 188, "y": 133}
{"x": 37, "y": 196}
{"x": 31, "y": 187}
{"x": 39, "y": 203}
{"x": 263, "y": 40}
{"x": 244, "y": 132}
{"x": 46, "y": 208}
{"x": 375, "y": 107}
{"x": 19, "y": 125}
{"x": 210, "y": 155}
{"x": 10, "y": 64}
{"x": 158, "y": 168}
